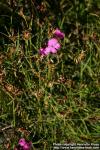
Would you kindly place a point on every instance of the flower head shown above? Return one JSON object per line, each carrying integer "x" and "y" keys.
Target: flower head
{"x": 53, "y": 42}
{"x": 59, "y": 34}
{"x": 24, "y": 144}
{"x": 52, "y": 47}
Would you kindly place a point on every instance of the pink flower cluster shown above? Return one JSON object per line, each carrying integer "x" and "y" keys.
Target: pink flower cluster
{"x": 53, "y": 44}
{"x": 23, "y": 145}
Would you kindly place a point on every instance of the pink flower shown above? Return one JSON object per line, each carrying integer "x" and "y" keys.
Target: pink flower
{"x": 27, "y": 146}
{"x": 52, "y": 50}
{"x": 42, "y": 51}
{"x": 52, "y": 46}
{"x": 24, "y": 144}
{"x": 47, "y": 50}
{"x": 59, "y": 34}
{"x": 54, "y": 43}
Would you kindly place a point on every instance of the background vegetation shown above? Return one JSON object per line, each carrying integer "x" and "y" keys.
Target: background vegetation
{"x": 54, "y": 99}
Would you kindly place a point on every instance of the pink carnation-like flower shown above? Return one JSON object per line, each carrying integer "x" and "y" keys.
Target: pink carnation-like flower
{"x": 54, "y": 43}
{"x": 47, "y": 50}
{"x": 42, "y": 51}
{"x": 59, "y": 34}
{"x": 24, "y": 144}
{"x": 27, "y": 146}
{"x": 52, "y": 47}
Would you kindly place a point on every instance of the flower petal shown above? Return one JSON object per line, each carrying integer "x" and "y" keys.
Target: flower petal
{"x": 47, "y": 50}
{"x": 52, "y": 42}
{"x": 57, "y": 46}
{"x": 22, "y": 142}
{"x": 41, "y": 51}
{"x": 53, "y": 50}
{"x": 59, "y": 34}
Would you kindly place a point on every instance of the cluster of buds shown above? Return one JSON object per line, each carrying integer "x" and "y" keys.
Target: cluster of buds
{"x": 53, "y": 44}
